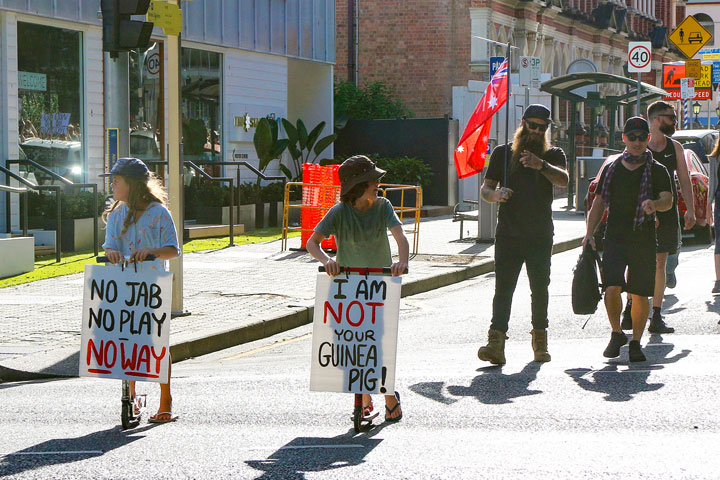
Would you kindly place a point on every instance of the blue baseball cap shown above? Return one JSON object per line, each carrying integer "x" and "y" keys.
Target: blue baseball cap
{"x": 128, "y": 167}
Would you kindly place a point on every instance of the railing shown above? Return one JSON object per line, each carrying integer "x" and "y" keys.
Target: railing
{"x": 24, "y": 195}
{"x": 232, "y": 194}
{"x": 69, "y": 184}
{"x": 196, "y": 167}
{"x": 58, "y": 191}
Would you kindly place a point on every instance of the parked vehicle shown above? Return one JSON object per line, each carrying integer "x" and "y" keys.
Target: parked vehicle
{"x": 700, "y": 141}
{"x": 62, "y": 157}
{"x": 702, "y": 232}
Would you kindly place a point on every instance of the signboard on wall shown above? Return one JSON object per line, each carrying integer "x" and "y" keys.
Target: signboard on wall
{"x": 32, "y": 81}
{"x": 243, "y": 118}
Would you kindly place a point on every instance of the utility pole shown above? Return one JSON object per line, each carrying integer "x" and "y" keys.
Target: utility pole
{"x": 175, "y": 160}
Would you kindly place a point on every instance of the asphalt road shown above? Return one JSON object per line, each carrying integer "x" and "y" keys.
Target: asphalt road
{"x": 247, "y": 412}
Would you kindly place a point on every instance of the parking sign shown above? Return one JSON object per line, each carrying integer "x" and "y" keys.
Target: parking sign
{"x": 495, "y": 64}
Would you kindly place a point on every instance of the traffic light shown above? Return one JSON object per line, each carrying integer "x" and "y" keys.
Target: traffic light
{"x": 121, "y": 34}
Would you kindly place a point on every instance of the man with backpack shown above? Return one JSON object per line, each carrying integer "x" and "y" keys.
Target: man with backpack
{"x": 633, "y": 187}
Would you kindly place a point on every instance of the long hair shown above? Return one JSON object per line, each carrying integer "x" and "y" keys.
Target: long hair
{"x": 142, "y": 192}
{"x": 356, "y": 192}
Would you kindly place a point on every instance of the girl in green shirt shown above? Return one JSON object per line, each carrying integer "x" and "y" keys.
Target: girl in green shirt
{"x": 360, "y": 223}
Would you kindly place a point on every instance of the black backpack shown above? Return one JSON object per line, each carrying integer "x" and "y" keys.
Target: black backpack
{"x": 586, "y": 289}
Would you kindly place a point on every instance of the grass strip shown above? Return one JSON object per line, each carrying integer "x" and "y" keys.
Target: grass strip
{"x": 47, "y": 267}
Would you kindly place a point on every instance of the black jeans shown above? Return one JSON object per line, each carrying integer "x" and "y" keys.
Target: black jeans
{"x": 510, "y": 254}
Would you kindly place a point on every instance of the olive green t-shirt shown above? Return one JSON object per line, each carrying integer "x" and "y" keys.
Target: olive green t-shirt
{"x": 362, "y": 238}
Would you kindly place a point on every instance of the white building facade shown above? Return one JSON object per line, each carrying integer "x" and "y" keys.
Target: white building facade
{"x": 241, "y": 59}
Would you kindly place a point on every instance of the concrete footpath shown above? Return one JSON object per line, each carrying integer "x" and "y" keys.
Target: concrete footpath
{"x": 237, "y": 295}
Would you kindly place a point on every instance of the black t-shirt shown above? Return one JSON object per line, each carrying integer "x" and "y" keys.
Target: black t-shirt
{"x": 528, "y": 213}
{"x": 624, "y": 192}
{"x": 669, "y": 160}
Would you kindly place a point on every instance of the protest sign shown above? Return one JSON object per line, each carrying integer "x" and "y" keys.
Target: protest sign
{"x": 126, "y": 323}
{"x": 355, "y": 328}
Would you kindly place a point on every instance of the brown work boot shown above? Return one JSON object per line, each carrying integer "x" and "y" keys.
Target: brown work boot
{"x": 539, "y": 344}
{"x": 494, "y": 351}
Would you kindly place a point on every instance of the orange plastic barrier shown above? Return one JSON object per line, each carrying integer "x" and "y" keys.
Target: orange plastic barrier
{"x": 322, "y": 198}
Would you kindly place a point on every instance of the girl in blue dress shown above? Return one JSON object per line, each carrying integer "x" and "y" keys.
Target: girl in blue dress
{"x": 139, "y": 224}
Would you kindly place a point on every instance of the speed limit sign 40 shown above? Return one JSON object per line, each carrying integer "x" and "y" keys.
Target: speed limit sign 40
{"x": 639, "y": 56}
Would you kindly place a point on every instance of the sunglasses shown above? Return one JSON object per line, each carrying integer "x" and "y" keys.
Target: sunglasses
{"x": 536, "y": 126}
{"x": 671, "y": 116}
{"x": 639, "y": 137}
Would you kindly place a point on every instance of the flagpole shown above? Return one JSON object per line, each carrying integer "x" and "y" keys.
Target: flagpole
{"x": 507, "y": 118}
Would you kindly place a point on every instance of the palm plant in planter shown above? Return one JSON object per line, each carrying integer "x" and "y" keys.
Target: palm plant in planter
{"x": 303, "y": 144}
{"x": 268, "y": 148}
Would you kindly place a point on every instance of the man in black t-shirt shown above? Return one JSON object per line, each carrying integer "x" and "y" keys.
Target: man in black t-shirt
{"x": 525, "y": 228}
{"x": 633, "y": 187}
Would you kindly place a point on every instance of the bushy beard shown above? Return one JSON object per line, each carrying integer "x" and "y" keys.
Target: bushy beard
{"x": 667, "y": 130}
{"x": 524, "y": 139}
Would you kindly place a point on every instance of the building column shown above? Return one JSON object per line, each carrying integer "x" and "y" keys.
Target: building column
{"x": 9, "y": 133}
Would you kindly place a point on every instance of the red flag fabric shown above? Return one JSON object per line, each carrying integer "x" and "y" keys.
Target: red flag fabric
{"x": 472, "y": 149}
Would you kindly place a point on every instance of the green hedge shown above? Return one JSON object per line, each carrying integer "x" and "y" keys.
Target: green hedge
{"x": 75, "y": 204}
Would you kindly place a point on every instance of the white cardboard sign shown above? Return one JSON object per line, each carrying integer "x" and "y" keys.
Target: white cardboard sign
{"x": 355, "y": 327}
{"x": 126, "y": 323}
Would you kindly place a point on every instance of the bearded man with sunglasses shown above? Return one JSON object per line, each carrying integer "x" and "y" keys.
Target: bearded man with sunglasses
{"x": 668, "y": 152}
{"x": 525, "y": 227}
{"x": 632, "y": 187}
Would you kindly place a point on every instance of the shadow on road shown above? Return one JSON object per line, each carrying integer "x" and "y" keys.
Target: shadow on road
{"x": 316, "y": 454}
{"x": 105, "y": 441}
{"x": 622, "y": 385}
{"x": 714, "y": 306}
{"x": 492, "y": 387}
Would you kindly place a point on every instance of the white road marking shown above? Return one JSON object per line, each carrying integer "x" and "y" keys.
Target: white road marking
{"x": 69, "y": 452}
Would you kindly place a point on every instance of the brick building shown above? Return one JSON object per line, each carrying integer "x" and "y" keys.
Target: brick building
{"x": 422, "y": 48}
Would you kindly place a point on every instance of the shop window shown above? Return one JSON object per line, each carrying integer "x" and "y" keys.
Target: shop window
{"x": 146, "y": 105}
{"x": 50, "y": 99}
{"x": 202, "y": 107}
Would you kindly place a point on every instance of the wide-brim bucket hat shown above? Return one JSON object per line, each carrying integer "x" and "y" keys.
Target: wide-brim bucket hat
{"x": 356, "y": 170}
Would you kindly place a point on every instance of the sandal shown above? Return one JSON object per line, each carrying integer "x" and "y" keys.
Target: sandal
{"x": 155, "y": 419}
{"x": 389, "y": 411}
{"x": 368, "y": 409}
{"x": 139, "y": 403}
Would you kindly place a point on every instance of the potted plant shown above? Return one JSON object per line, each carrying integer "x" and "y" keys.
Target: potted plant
{"x": 77, "y": 217}
{"x": 268, "y": 148}
{"x": 302, "y": 145}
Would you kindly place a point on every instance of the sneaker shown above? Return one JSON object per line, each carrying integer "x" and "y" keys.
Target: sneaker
{"x": 658, "y": 325}
{"x": 626, "y": 323}
{"x": 617, "y": 340}
{"x": 716, "y": 288}
{"x": 671, "y": 280}
{"x": 635, "y": 352}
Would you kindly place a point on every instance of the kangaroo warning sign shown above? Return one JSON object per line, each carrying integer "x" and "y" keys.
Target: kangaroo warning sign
{"x": 126, "y": 323}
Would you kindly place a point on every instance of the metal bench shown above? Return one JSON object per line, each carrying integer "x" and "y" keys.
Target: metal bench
{"x": 460, "y": 215}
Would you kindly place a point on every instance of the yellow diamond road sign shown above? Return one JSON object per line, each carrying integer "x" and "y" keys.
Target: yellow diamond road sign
{"x": 690, "y": 36}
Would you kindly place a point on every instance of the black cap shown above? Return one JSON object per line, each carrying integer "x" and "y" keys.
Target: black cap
{"x": 537, "y": 110}
{"x": 128, "y": 167}
{"x": 636, "y": 124}
{"x": 357, "y": 169}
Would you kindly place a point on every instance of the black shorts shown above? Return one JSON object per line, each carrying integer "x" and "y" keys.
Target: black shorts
{"x": 637, "y": 258}
{"x": 668, "y": 233}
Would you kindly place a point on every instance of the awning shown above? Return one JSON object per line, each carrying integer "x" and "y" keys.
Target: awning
{"x": 562, "y": 86}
